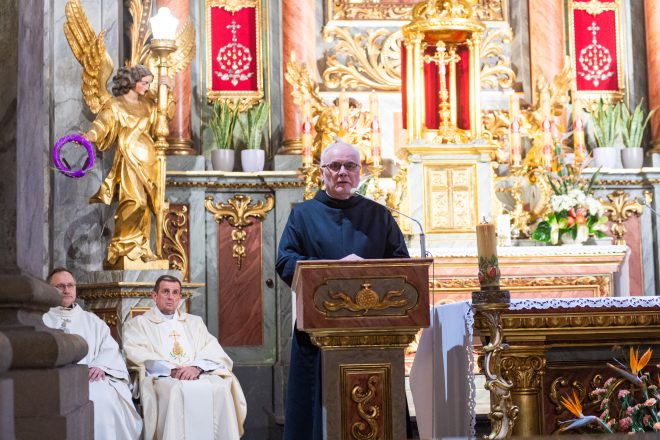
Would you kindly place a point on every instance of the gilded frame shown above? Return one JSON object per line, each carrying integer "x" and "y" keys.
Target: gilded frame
{"x": 367, "y": 10}
{"x": 245, "y": 99}
{"x": 592, "y": 97}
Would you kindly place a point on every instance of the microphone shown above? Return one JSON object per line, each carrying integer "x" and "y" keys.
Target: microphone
{"x": 642, "y": 201}
{"x": 422, "y": 235}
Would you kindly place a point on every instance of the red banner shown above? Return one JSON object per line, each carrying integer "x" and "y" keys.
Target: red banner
{"x": 596, "y": 54}
{"x": 234, "y": 55}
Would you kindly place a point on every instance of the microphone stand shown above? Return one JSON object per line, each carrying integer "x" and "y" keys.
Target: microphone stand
{"x": 422, "y": 235}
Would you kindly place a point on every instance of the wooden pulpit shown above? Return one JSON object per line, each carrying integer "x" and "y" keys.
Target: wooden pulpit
{"x": 363, "y": 314}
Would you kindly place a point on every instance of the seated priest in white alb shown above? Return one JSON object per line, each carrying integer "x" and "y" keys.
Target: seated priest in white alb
{"x": 187, "y": 388}
{"x": 115, "y": 416}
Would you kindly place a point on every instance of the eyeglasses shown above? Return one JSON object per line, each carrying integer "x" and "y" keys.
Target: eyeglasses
{"x": 69, "y": 286}
{"x": 336, "y": 166}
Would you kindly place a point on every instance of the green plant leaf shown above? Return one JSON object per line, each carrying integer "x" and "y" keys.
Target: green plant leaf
{"x": 542, "y": 232}
{"x": 255, "y": 120}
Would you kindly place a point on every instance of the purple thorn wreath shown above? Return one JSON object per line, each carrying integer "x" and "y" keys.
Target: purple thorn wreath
{"x": 62, "y": 165}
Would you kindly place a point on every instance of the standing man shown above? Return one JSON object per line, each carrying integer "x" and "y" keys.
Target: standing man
{"x": 334, "y": 225}
{"x": 186, "y": 385}
{"x": 115, "y": 416}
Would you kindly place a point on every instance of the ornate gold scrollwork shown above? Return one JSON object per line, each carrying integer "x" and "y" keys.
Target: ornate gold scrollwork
{"x": 503, "y": 412}
{"x": 601, "y": 282}
{"x": 561, "y": 383}
{"x": 175, "y": 239}
{"x": 371, "y": 61}
{"x": 595, "y": 7}
{"x": 524, "y": 372}
{"x": 234, "y": 5}
{"x": 365, "y": 299}
{"x": 369, "y": 413}
{"x": 496, "y": 70}
{"x": 489, "y": 10}
{"x": 619, "y": 209}
{"x": 237, "y": 211}
{"x": 363, "y": 340}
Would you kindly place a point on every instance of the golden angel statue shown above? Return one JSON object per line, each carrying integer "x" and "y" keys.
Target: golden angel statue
{"x": 128, "y": 119}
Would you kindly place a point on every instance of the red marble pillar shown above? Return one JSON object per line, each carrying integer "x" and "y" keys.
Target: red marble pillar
{"x": 546, "y": 37}
{"x": 652, "y": 14}
{"x": 180, "y": 139}
{"x": 299, "y": 36}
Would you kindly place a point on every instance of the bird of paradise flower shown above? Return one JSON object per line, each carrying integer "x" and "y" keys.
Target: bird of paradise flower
{"x": 573, "y": 404}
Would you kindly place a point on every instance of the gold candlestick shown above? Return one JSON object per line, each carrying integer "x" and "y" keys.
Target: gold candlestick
{"x": 162, "y": 49}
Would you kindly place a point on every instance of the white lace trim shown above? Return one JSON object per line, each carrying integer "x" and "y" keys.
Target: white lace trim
{"x": 570, "y": 303}
{"x": 524, "y": 251}
{"x": 472, "y": 395}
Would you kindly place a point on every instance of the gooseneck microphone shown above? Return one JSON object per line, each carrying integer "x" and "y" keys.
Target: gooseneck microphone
{"x": 642, "y": 201}
{"x": 422, "y": 235}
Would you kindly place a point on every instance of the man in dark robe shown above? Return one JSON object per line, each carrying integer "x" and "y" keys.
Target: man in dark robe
{"x": 334, "y": 225}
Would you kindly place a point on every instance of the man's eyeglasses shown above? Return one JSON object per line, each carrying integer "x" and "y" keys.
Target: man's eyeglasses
{"x": 336, "y": 166}
{"x": 69, "y": 286}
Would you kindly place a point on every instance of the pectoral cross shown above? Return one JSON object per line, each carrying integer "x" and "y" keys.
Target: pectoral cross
{"x": 177, "y": 349}
{"x": 64, "y": 327}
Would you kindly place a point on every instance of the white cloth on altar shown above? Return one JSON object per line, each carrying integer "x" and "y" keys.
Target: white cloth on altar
{"x": 450, "y": 377}
{"x": 115, "y": 416}
{"x": 168, "y": 403}
{"x": 441, "y": 378}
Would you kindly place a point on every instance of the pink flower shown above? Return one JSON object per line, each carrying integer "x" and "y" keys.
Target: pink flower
{"x": 623, "y": 393}
{"x": 656, "y": 426}
{"x": 630, "y": 410}
{"x": 625, "y": 423}
{"x": 604, "y": 415}
{"x": 598, "y": 391}
{"x": 650, "y": 402}
{"x": 608, "y": 382}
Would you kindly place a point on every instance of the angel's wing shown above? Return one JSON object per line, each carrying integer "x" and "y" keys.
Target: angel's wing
{"x": 89, "y": 50}
{"x": 181, "y": 57}
{"x": 140, "y": 30}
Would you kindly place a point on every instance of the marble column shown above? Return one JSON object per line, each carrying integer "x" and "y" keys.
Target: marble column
{"x": 546, "y": 38}
{"x": 180, "y": 139}
{"x": 41, "y": 361}
{"x": 299, "y": 36}
{"x": 652, "y": 15}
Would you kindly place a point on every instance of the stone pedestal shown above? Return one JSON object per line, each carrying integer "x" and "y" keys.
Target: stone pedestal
{"x": 53, "y": 403}
{"x": 6, "y": 392}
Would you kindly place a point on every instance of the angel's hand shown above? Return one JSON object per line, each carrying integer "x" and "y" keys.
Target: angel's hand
{"x": 164, "y": 79}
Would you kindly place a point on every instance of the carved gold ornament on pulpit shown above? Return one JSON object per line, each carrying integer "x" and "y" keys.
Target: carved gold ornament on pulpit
{"x": 135, "y": 120}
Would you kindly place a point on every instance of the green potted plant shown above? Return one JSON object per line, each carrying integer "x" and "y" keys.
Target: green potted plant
{"x": 633, "y": 126}
{"x": 606, "y": 121}
{"x": 222, "y": 126}
{"x": 252, "y": 158}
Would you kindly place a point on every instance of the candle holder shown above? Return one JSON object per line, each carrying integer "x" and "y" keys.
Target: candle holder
{"x": 311, "y": 174}
{"x": 162, "y": 48}
{"x": 376, "y": 171}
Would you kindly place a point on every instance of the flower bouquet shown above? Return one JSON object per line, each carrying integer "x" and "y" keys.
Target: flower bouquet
{"x": 632, "y": 408}
{"x": 576, "y": 215}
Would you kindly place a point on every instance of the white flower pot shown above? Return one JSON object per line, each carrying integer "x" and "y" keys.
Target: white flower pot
{"x": 252, "y": 160}
{"x": 632, "y": 157}
{"x": 604, "y": 157}
{"x": 223, "y": 160}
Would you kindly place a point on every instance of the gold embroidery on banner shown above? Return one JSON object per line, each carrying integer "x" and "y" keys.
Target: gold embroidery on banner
{"x": 233, "y": 5}
{"x": 237, "y": 212}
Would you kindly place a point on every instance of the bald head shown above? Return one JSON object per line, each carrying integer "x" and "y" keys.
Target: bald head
{"x": 339, "y": 146}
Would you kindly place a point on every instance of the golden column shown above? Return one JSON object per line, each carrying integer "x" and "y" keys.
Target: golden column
{"x": 546, "y": 37}
{"x": 652, "y": 14}
{"x": 180, "y": 139}
{"x": 298, "y": 31}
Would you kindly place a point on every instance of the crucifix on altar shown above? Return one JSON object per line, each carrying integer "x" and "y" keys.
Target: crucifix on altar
{"x": 440, "y": 106}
